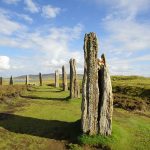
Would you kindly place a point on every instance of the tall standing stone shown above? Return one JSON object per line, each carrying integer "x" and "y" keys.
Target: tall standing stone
{"x": 11, "y": 81}
{"x": 27, "y": 80}
{"x": 73, "y": 79}
{"x": 64, "y": 79}
{"x": 90, "y": 90}
{"x": 1, "y": 80}
{"x": 105, "y": 99}
{"x": 78, "y": 93}
{"x": 97, "y": 91}
{"x": 56, "y": 78}
{"x": 40, "y": 78}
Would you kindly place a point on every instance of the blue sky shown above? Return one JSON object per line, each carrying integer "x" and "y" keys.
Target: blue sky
{"x": 41, "y": 36}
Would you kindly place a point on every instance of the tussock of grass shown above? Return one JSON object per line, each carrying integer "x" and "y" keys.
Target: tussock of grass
{"x": 131, "y": 92}
{"x": 8, "y": 91}
{"x": 97, "y": 140}
{"x": 105, "y": 142}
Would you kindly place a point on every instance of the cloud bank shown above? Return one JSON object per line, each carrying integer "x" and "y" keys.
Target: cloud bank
{"x": 4, "y": 63}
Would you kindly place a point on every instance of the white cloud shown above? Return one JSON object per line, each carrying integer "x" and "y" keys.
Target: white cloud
{"x": 7, "y": 26}
{"x": 49, "y": 11}
{"x": 141, "y": 58}
{"x": 4, "y": 63}
{"x": 31, "y": 6}
{"x": 7, "y": 14}
{"x": 130, "y": 66}
{"x": 135, "y": 6}
{"x": 127, "y": 37}
{"x": 125, "y": 31}
{"x": 11, "y": 1}
{"x": 52, "y": 46}
{"x": 25, "y": 17}
{"x": 131, "y": 7}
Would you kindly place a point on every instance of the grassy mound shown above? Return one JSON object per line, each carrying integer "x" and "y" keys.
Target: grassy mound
{"x": 131, "y": 92}
{"x": 11, "y": 91}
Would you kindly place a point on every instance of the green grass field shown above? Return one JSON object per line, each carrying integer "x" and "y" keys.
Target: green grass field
{"x": 44, "y": 118}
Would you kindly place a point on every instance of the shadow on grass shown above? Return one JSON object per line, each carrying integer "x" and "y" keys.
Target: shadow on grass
{"x": 51, "y": 84}
{"x": 53, "y": 129}
{"x": 45, "y": 98}
{"x": 49, "y": 89}
{"x": 55, "y": 91}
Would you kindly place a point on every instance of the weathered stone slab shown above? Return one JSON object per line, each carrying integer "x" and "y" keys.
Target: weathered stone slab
{"x": 1, "y": 80}
{"x": 90, "y": 90}
{"x": 27, "y": 80}
{"x": 11, "y": 81}
{"x": 73, "y": 79}
{"x": 105, "y": 111}
{"x": 97, "y": 101}
{"x": 56, "y": 78}
{"x": 78, "y": 93}
{"x": 64, "y": 79}
{"x": 40, "y": 79}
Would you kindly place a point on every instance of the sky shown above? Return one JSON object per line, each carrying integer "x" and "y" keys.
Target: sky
{"x": 42, "y": 35}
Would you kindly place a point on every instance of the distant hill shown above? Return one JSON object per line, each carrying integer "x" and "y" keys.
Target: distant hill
{"x": 45, "y": 76}
{"x": 52, "y": 75}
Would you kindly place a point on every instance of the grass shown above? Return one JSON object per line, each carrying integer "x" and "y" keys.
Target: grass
{"x": 130, "y": 131}
{"x": 131, "y": 92}
{"x": 46, "y": 118}
{"x": 11, "y": 91}
{"x": 132, "y": 85}
{"x": 40, "y": 120}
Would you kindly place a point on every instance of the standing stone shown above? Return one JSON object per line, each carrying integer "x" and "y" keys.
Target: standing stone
{"x": 56, "y": 78}
{"x": 90, "y": 93}
{"x": 11, "y": 81}
{"x": 73, "y": 79}
{"x": 64, "y": 79}
{"x": 97, "y": 101}
{"x": 105, "y": 99}
{"x": 27, "y": 80}
{"x": 1, "y": 80}
{"x": 78, "y": 94}
{"x": 40, "y": 78}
